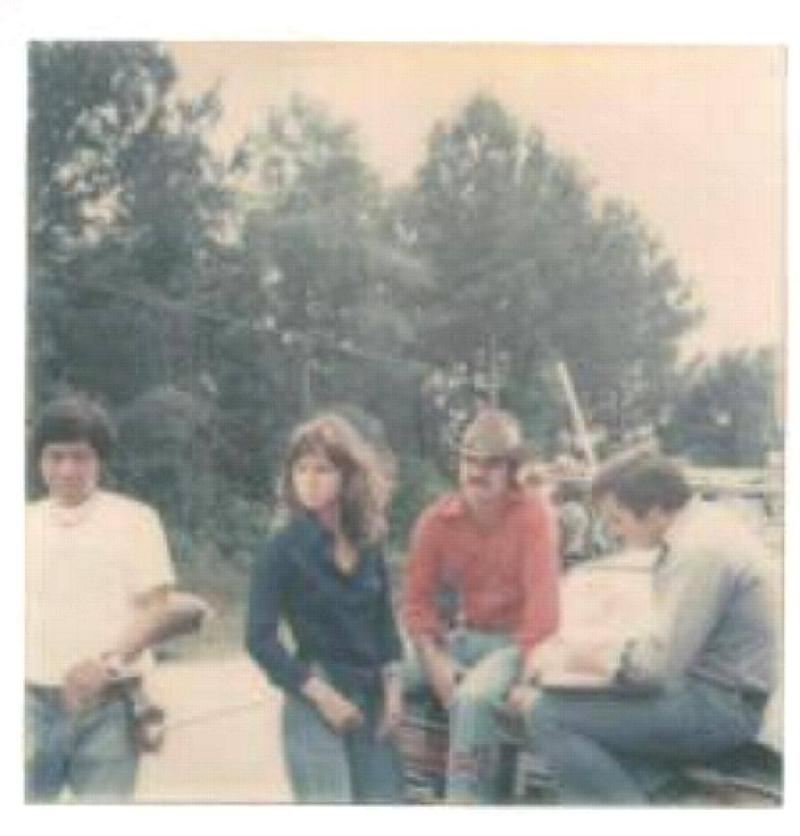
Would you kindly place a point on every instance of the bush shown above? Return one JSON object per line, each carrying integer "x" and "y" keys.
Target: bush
{"x": 418, "y": 482}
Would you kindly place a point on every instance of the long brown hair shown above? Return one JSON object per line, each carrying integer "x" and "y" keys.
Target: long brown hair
{"x": 365, "y": 486}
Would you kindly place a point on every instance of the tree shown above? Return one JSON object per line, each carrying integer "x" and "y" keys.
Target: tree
{"x": 136, "y": 278}
{"x": 314, "y": 225}
{"x": 527, "y": 272}
{"x": 725, "y": 416}
{"x": 126, "y": 208}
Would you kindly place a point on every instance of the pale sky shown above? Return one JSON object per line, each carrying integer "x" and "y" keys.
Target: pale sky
{"x": 692, "y": 136}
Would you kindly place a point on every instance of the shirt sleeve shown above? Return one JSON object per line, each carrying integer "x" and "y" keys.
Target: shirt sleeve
{"x": 269, "y": 583}
{"x": 390, "y": 646}
{"x": 540, "y": 575}
{"x": 420, "y": 614}
{"x": 150, "y": 564}
{"x": 685, "y": 610}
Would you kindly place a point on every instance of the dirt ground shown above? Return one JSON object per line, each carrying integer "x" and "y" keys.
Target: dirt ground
{"x": 223, "y": 739}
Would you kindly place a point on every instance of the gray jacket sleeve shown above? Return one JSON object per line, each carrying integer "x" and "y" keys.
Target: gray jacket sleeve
{"x": 690, "y": 591}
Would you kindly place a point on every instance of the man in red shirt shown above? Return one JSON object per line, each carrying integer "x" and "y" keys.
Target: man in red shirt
{"x": 491, "y": 549}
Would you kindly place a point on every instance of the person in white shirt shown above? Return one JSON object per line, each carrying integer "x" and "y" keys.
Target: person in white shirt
{"x": 98, "y": 578}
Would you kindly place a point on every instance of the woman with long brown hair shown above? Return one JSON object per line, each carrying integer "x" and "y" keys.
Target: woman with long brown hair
{"x": 324, "y": 573}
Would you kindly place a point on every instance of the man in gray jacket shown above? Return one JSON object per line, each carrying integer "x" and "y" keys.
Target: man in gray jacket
{"x": 699, "y": 673}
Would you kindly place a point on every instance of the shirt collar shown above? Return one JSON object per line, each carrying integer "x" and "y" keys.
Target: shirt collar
{"x": 309, "y": 525}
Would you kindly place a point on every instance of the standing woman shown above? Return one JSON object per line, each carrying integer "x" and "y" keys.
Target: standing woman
{"x": 324, "y": 573}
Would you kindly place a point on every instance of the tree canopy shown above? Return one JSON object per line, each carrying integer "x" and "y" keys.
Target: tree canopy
{"x": 526, "y": 270}
{"x": 212, "y": 305}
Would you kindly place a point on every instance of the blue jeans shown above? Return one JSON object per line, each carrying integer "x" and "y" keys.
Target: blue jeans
{"x": 92, "y": 754}
{"x": 606, "y": 748}
{"x": 491, "y": 662}
{"x": 326, "y": 767}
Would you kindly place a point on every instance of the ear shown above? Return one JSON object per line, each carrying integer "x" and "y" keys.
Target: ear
{"x": 658, "y": 519}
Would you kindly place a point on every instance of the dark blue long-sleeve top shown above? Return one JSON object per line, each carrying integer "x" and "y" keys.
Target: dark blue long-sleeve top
{"x": 342, "y": 622}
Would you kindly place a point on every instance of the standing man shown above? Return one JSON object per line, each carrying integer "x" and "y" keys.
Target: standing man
{"x": 492, "y": 548}
{"x": 706, "y": 659}
{"x": 98, "y": 576}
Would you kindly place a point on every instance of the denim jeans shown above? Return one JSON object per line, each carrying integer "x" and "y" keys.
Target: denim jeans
{"x": 326, "y": 767}
{"x": 92, "y": 754}
{"x": 491, "y": 663}
{"x": 607, "y": 748}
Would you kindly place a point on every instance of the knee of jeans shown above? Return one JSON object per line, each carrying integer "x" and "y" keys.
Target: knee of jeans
{"x": 543, "y": 719}
{"x": 469, "y": 696}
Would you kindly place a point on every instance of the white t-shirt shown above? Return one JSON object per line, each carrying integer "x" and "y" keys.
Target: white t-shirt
{"x": 84, "y": 568}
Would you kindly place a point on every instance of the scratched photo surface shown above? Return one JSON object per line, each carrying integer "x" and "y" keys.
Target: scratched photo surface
{"x": 228, "y": 237}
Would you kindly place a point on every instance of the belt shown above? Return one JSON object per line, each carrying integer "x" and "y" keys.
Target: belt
{"x": 54, "y": 693}
{"x": 364, "y": 676}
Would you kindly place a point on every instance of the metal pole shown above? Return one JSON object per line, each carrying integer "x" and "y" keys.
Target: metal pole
{"x": 578, "y": 421}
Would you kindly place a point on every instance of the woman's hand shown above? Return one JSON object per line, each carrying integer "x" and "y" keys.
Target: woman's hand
{"x": 337, "y": 711}
{"x": 392, "y": 714}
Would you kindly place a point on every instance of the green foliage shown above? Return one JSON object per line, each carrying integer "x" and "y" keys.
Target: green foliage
{"x": 526, "y": 272}
{"x": 314, "y": 228}
{"x": 725, "y": 417}
{"x": 418, "y": 482}
{"x": 237, "y": 530}
{"x": 539, "y": 405}
{"x": 126, "y": 209}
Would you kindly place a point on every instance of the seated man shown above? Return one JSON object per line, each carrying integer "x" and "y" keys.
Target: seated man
{"x": 98, "y": 581}
{"x": 700, "y": 669}
{"x": 492, "y": 548}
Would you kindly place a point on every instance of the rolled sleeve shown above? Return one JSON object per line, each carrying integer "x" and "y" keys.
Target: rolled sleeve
{"x": 150, "y": 566}
{"x": 684, "y": 614}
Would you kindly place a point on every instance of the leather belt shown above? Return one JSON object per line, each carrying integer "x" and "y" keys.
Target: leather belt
{"x": 49, "y": 693}
{"x": 54, "y": 693}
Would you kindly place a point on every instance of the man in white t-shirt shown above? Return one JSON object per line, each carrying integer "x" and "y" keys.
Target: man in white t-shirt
{"x": 98, "y": 577}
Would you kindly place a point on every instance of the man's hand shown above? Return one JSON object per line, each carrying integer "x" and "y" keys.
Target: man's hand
{"x": 520, "y": 699}
{"x": 84, "y": 683}
{"x": 443, "y": 675}
{"x": 161, "y": 614}
{"x": 337, "y": 711}
{"x": 590, "y": 656}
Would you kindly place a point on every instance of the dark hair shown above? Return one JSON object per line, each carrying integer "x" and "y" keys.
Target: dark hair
{"x": 366, "y": 483}
{"x": 570, "y": 490}
{"x": 642, "y": 481}
{"x": 74, "y": 418}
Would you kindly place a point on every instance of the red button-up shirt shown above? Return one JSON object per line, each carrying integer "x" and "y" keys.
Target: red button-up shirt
{"x": 506, "y": 578}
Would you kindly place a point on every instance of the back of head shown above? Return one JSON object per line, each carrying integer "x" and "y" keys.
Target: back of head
{"x": 641, "y": 481}
{"x": 74, "y": 418}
